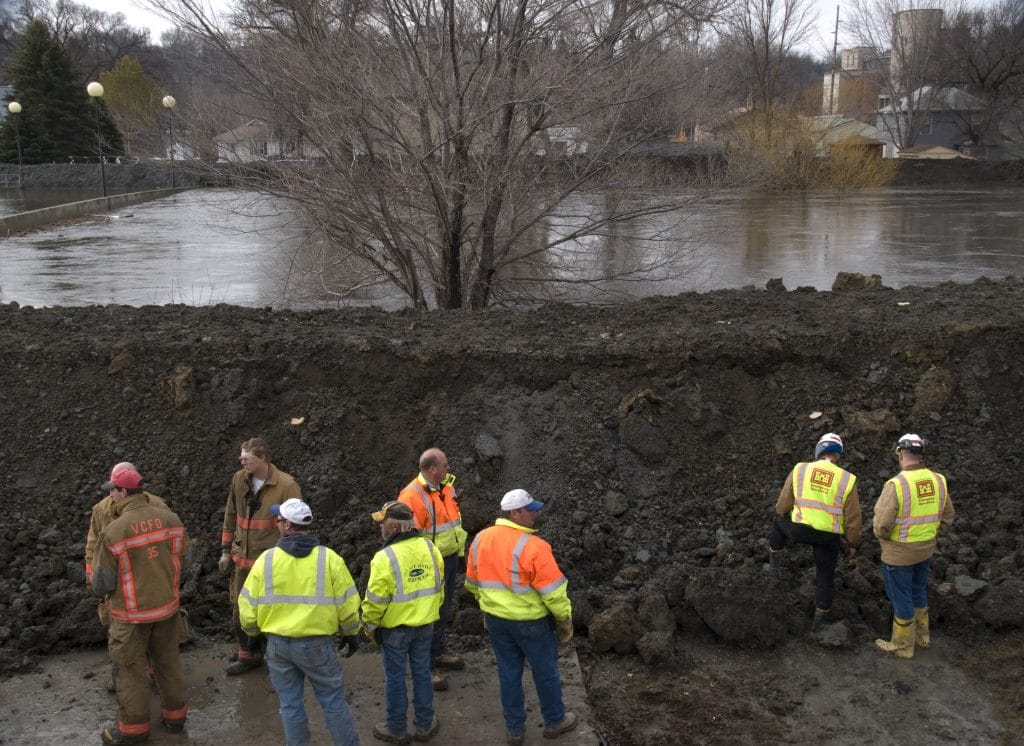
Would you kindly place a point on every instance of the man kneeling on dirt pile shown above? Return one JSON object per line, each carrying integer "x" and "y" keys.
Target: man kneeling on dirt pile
{"x": 818, "y": 505}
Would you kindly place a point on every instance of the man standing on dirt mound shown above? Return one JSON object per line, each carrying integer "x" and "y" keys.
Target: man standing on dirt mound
{"x": 101, "y": 517}
{"x": 432, "y": 497}
{"x": 912, "y": 506}
{"x": 138, "y": 560}
{"x": 524, "y": 596}
{"x": 249, "y": 529}
{"x": 818, "y": 505}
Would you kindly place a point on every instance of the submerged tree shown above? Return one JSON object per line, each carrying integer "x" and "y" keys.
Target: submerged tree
{"x": 449, "y": 136}
{"x": 57, "y": 120}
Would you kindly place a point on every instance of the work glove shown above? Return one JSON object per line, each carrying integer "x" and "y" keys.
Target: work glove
{"x": 349, "y": 645}
{"x": 563, "y": 630}
{"x": 371, "y": 635}
{"x": 224, "y": 563}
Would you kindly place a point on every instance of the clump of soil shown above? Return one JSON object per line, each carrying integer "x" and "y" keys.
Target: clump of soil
{"x": 657, "y": 433}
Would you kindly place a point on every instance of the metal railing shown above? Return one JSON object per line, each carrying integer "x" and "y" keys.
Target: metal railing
{"x": 10, "y": 181}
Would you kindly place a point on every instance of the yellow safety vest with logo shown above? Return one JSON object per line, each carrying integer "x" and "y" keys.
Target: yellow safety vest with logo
{"x": 406, "y": 585}
{"x": 299, "y": 596}
{"x": 821, "y": 488}
{"x": 920, "y": 500}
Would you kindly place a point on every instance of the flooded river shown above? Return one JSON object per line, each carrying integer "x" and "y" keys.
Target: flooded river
{"x": 220, "y": 246}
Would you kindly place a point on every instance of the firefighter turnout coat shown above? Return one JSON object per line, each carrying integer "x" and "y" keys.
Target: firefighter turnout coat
{"x": 101, "y": 517}
{"x": 249, "y": 527}
{"x": 138, "y": 561}
{"x": 513, "y": 574}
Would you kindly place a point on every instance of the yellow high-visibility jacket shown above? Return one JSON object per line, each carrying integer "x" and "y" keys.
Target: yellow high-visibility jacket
{"x": 299, "y": 596}
{"x": 820, "y": 489}
{"x": 921, "y": 497}
{"x": 406, "y": 586}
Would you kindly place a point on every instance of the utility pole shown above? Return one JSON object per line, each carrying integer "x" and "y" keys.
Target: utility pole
{"x": 835, "y": 61}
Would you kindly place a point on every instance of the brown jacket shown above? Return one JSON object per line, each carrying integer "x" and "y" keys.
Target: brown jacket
{"x": 851, "y": 509}
{"x": 102, "y": 516}
{"x": 903, "y": 553}
{"x": 249, "y": 527}
{"x": 139, "y": 559}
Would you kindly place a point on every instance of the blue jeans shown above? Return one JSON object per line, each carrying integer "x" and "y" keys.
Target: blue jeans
{"x": 412, "y": 645}
{"x": 451, "y": 572}
{"x": 907, "y": 587}
{"x": 535, "y": 641}
{"x": 290, "y": 660}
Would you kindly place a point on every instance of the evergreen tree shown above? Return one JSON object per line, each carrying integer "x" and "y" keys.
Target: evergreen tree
{"x": 57, "y": 120}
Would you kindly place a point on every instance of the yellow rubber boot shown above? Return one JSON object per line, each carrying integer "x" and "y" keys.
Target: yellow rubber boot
{"x": 921, "y": 627}
{"x": 902, "y": 643}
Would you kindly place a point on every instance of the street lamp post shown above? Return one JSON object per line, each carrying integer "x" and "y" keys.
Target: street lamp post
{"x": 169, "y": 104}
{"x": 15, "y": 108}
{"x": 95, "y": 90}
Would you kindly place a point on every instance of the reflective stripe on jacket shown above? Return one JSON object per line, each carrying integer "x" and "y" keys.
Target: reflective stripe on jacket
{"x": 406, "y": 585}
{"x": 437, "y": 515}
{"x": 513, "y": 574}
{"x": 251, "y": 532}
{"x": 102, "y": 516}
{"x": 299, "y": 596}
{"x": 820, "y": 489}
{"x": 138, "y": 562}
{"x": 921, "y": 497}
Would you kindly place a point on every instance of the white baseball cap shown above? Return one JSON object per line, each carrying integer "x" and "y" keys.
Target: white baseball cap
{"x": 294, "y": 511}
{"x": 517, "y": 499}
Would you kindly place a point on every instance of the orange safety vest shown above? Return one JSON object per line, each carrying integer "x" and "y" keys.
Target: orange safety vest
{"x": 513, "y": 574}
{"x": 921, "y": 496}
{"x": 437, "y": 515}
{"x": 821, "y": 489}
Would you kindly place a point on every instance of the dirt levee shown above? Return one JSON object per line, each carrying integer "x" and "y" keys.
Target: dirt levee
{"x": 658, "y": 435}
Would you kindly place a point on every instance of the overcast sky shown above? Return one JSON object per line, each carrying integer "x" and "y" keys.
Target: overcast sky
{"x": 819, "y": 44}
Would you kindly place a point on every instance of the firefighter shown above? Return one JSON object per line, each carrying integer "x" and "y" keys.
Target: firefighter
{"x": 102, "y": 515}
{"x": 432, "y": 497}
{"x": 249, "y": 529}
{"x": 513, "y": 575}
{"x": 908, "y": 514}
{"x": 138, "y": 560}
{"x": 402, "y": 603}
{"x": 818, "y": 505}
{"x": 299, "y": 594}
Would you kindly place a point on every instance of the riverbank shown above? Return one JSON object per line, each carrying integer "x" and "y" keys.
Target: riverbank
{"x": 156, "y": 174}
{"x": 658, "y": 434}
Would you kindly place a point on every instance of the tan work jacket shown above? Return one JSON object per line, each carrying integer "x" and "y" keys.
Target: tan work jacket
{"x": 249, "y": 527}
{"x": 139, "y": 559}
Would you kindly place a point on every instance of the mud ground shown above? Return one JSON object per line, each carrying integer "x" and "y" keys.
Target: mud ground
{"x": 658, "y": 433}
{"x": 243, "y": 709}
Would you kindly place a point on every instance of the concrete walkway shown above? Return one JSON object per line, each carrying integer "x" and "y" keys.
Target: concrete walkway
{"x": 66, "y": 702}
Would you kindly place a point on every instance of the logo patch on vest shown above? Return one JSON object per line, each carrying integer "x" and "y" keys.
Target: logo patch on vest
{"x": 821, "y": 478}
{"x": 925, "y": 491}
{"x": 416, "y": 572}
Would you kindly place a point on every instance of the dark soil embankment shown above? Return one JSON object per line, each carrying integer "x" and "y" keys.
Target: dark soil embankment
{"x": 658, "y": 433}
